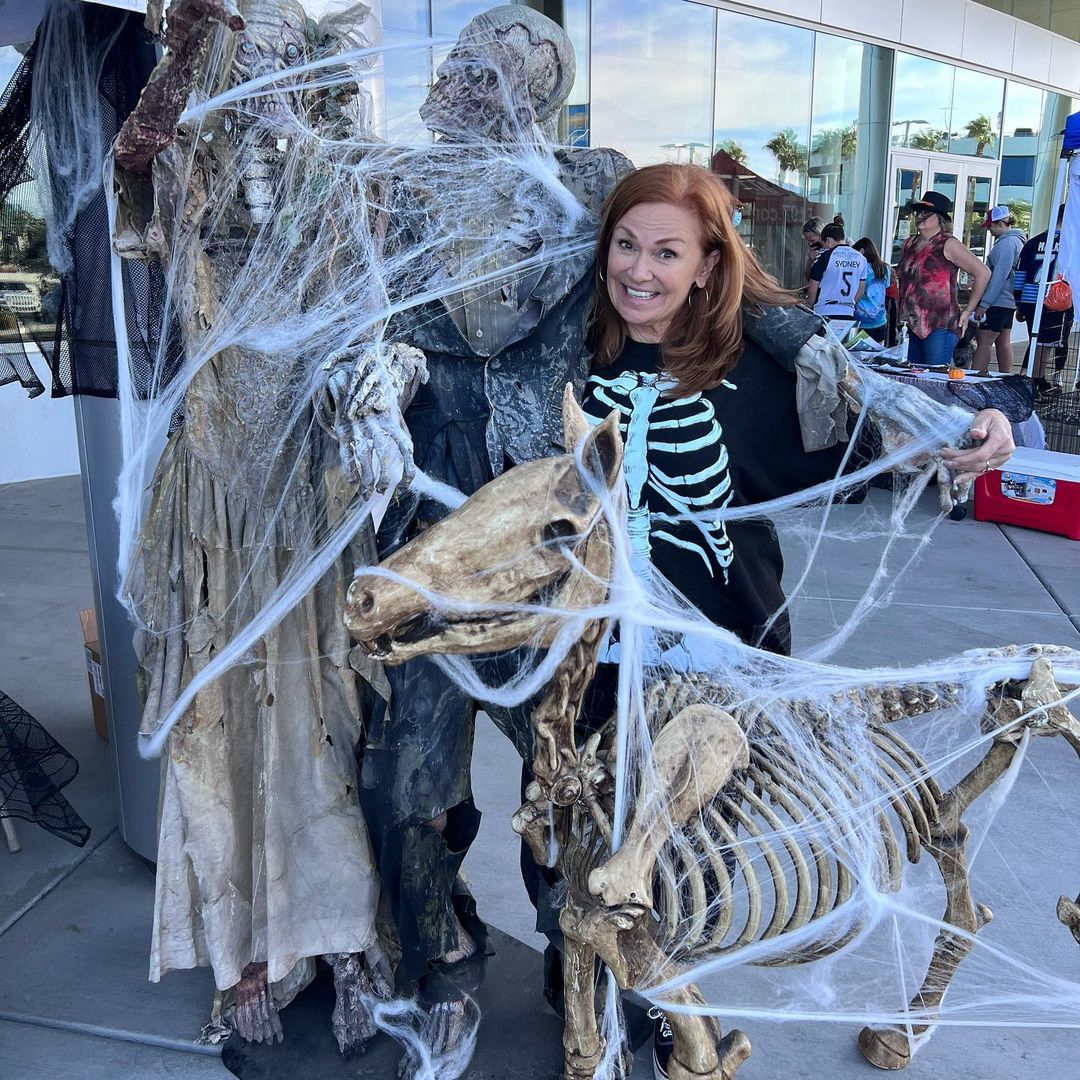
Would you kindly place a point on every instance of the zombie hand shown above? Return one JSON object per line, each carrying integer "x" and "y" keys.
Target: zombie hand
{"x": 254, "y": 1016}
{"x": 370, "y": 386}
{"x": 360, "y": 982}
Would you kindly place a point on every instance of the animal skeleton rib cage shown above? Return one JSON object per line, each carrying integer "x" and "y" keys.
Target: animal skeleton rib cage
{"x": 735, "y": 840}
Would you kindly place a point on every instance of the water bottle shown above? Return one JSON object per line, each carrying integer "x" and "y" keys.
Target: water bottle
{"x": 903, "y": 344}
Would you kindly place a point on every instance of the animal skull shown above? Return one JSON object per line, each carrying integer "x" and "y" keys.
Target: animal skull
{"x": 460, "y": 589}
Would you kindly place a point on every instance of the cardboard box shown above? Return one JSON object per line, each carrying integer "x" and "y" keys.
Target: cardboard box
{"x": 1039, "y": 489}
{"x": 92, "y": 648}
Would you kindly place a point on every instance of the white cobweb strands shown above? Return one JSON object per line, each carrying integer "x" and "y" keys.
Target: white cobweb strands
{"x": 790, "y": 893}
{"x": 294, "y": 239}
{"x": 66, "y": 146}
{"x": 292, "y": 236}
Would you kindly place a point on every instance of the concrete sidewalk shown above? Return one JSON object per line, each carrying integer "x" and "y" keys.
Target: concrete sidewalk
{"x": 75, "y": 924}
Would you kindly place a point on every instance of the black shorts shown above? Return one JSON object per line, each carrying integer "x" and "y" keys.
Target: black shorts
{"x": 998, "y": 319}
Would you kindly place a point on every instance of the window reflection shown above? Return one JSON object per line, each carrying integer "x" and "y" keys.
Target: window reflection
{"x": 405, "y": 73}
{"x": 448, "y": 17}
{"x": 574, "y": 125}
{"x": 976, "y": 203}
{"x": 849, "y": 140}
{"x": 762, "y": 140}
{"x": 977, "y": 100}
{"x": 834, "y": 127}
{"x": 922, "y": 103}
{"x": 1020, "y": 149}
{"x": 909, "y": 186}
{"x": 652, "y": 79}
{"x": 944, "y": 109}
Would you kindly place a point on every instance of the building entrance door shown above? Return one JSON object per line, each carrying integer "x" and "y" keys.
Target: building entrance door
{"x": 970, "y": 182}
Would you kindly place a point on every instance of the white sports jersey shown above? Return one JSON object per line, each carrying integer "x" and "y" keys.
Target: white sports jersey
{"x": 838, "y": 273}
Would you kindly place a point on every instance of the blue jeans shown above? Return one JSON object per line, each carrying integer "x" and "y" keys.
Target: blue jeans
{"x": 936, "y": 348}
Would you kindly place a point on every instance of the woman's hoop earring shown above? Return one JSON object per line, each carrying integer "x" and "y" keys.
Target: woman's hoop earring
{"x": 600, "y": 271}
{"x": 690, "y": 296}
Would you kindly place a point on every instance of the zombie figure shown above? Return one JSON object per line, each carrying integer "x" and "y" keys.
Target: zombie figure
{"x": 264, "y": 862}
{"x": 499, "y": 354}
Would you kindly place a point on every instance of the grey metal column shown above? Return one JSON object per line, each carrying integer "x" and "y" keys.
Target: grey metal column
{"x": 97, "y": 423}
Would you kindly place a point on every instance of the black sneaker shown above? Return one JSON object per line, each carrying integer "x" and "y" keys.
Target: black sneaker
{"x": 663, "y": 1041}
{"x": 1045, "y": 392}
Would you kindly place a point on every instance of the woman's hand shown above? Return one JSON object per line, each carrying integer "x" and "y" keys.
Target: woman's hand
{"x": 992, "y": 434}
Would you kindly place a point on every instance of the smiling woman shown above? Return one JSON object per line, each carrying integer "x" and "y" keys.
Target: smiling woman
{"x": 654, "y": 262}
{"x": 687, "y": 351}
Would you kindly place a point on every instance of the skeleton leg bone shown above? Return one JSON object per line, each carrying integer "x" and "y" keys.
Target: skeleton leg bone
{"x": 583, "y": 1047}
{"x": 621, "y": 939}
{"x": 694, "y": 756}
{"x": 891, "y": 1047}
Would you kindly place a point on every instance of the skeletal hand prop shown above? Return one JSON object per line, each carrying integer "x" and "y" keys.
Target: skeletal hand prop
{"x": 370, "y": 386}
{"x": 901, "y": 411}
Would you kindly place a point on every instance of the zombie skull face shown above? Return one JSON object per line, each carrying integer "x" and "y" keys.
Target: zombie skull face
{"x": 272, "y": 40}
{"x": 511, "y": 68}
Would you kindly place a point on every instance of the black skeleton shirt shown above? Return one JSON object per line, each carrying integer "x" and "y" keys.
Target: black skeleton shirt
{"x": 735, "y": 445}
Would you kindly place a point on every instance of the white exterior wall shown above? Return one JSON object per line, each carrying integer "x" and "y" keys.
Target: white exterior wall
{"x": 37, "y": 436}
{"x": 953, "y": 30}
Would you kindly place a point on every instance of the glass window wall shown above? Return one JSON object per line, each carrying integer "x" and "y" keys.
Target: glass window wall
{"x": 849, "y": 139}
{"x": 761, "y": 141}
{"x": 796, "y": 123}
{"x": 1021, "y": 145}
{"x": 574, "y": 126}
{"x": 651, "y": 79}
{"x": 922, "y": 103}
{"x": 405, "y": 73}
{"x": 945, "y": 109}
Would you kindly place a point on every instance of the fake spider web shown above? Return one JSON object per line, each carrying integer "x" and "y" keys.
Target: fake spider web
{"x": 315, "y": 236}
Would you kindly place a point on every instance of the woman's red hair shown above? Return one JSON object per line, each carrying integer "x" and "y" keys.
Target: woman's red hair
{"x": 704, "y": 341}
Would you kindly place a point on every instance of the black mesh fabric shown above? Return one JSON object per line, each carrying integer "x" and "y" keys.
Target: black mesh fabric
{"x": 33, "y": 769}
{"x": 79, "y": 343}
{"x": 1013, "y": 395}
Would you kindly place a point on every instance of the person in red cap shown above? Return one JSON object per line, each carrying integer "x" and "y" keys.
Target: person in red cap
{"x": 927, "y": 272}
{"x": 998, "y": 305}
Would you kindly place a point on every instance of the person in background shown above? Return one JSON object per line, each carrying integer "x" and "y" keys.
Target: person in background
{"x": 998, "y": 304}
{"x": 927, "y": 270}
{"x": 870, "y": 313}
{"x": 1054, "y": 326}
{"x": 811, "y": 233}
{"x": 837, "y": 279}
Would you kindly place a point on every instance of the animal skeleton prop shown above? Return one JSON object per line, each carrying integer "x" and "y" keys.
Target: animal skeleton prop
{"x": 754, "y": 820}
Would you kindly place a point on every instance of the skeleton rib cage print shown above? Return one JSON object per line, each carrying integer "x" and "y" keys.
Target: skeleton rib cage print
{"x": 676, "y": 467}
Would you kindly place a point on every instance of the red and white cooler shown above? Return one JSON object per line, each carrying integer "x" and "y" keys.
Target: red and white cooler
{"x": 1039, "y": 489}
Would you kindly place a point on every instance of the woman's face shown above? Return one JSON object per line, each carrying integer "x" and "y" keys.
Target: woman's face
{"x": 813, "y": 240}
{"x": 927, "y": 223}
{"x": 655, "y": 256}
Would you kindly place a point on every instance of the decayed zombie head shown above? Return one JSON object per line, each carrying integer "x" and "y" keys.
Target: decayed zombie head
{"x": 273, "y": 39}
{"x": 511, "y": 68}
